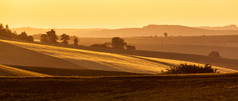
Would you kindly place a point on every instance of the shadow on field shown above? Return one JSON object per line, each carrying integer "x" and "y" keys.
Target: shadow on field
{"x": 91, "y": 65}
{"x": 153, "y": 88}
{"x": 72, "y": 72}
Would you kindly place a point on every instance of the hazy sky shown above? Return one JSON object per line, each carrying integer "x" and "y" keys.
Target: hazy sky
{"x": 117, "y": 13}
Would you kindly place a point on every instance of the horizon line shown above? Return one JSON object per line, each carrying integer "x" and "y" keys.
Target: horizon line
{"x": 120, "y": 27}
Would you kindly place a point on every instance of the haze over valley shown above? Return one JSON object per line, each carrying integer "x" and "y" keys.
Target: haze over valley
{"x": 149, "y": 30}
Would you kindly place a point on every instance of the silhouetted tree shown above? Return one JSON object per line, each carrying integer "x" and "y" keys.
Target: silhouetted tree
{"x": 130, "y": 47}
{"x": 165, "y": 34}
{"x": 49, "y": 37}
{"x": 185, "y": 68}
{"x": 22, "y": 36}
{"x": 76, "y": 41}
{"x": 44, "y": 38}
{"x": 30, "y": 38}
{"x": 52, "y": 37}
{"x": 1, "y": 27}
{"x": 1, "y": 30}
{"x": 214, "y": 54}
{"x": 65, "y": 38}
{"x": 96, "y": 45}
{"x": 7, "y": 27}
{"x": 118, "y": 43}
{"x": 6, "y": 32}
{"x": 104, "y": 45}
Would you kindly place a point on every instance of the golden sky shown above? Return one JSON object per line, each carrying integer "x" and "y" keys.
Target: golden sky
{"x": 117, "y": 13}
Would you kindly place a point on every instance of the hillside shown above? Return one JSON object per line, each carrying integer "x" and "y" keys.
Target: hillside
{"x": 24, "y": 62}
{"x": 108, "y": 61}
{"x": 228, "y": 27}
{"x": 226, "y": 45}
{"x": 150, "y": 30}
{"x": 93, "y": 60}
{"x": 13, "y": 55}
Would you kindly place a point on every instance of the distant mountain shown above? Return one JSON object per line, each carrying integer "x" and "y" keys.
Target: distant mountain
{"x": 33, "y": 31}
{"x": 150, "y": 30}
{"x": 228, "y": 27}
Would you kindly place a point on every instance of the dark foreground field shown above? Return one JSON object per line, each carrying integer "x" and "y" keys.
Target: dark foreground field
{"x": 72, "y": 72}
{"x": 176, "y": 87}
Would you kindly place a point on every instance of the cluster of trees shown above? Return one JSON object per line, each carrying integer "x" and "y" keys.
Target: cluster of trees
{"x": 51, "y": 37}
{"x": 7, "y": 33}
{"x": 104, "y": 45}
{"x": 186, "y": 69}
{"x": 117, "y": 43}
{"x": 24, "y": 36}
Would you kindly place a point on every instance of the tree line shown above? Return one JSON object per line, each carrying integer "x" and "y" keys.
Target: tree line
{"x": 7, "y": 33}
{"x": 117, "y": 43}
{"x": 50, "y": 37}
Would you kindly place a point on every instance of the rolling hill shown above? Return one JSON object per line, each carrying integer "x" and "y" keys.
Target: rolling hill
{"x": 107, "y": 61}
{"x": 226, "y": 45}
{"x": 150, "y": 30}
{"x": 228, "y": 27}
{"x": 13, "y": 55}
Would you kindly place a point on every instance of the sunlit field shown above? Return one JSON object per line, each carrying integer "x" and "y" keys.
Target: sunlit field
{"x": 107, "y": 61}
